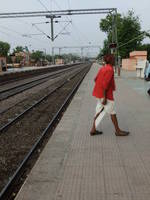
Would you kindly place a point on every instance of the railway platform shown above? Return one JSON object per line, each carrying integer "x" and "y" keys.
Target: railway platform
{"x": 77, "y": 166}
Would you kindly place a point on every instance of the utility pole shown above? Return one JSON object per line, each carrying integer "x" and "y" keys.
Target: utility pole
{"x": 53, "y": 58}
{"x": 82, "y": 53}
{"x": 117, "y": 56}
{"x": 52, "y": 17}
{"x": 60, "y": 51}
{"x": 81, "y": 48}
{"x": 52, "y": 28}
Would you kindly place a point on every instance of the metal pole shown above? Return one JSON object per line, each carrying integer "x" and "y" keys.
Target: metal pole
{"x": 113, "y": 28}
{"x": 82, "y": 53}
{"x": 57, "y": 13}
{"x": 59, "y": 51}
{"x": 53, "y": 58}
{"x": 118, "y": 59}
{"x": 52, "y": 28}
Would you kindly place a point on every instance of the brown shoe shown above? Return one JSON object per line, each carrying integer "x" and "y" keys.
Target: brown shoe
{"x": 96, "y": 133}
{"x": 122, "y": 133}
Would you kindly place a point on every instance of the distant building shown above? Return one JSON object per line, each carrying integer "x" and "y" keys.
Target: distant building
{"x": 130, "y": 64}
{"x": 25, "y": 58}
{"x": 59, "y": 61}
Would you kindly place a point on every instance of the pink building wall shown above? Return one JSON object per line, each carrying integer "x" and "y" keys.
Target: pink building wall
{"x": 130, "y": 63}
{"x": 142, "y": 55}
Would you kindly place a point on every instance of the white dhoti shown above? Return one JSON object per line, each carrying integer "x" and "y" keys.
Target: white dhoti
{"x": 101, "y": 110}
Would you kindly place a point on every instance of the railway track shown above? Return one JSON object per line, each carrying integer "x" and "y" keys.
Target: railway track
{"x": 9, "y": 110}
{"x": 13, "y": 90}
{"x": 28, "y": 136}
{"x": 13, "y": 77}
{"x": 13, "y": 112}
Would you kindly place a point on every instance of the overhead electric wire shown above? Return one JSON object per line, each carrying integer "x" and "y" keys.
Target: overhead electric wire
{"x": 51, "y": 7}
{"x": 41, "y": 31}
{"x": 83, "y": 34}
{"x": 81, "y": 37}
{"x": 10, "y": 29}
{"x": 59, "y": 8}
{"x": 69, "y": 6}
{"x": 65, "y": 16}
{"x": 10, "y": 35}
{"x": 47, "y": 22}
{"x": 36, "y": 26}
{"x": 5, "y": 33}
{"x": 43, "y": 5}
{"x": 62, "y": 30}
{"x": 30, "y": 24}
{"x": 144, "y": 33}
{"x": 18, "y": 33}
{"x": 24, "y": 22}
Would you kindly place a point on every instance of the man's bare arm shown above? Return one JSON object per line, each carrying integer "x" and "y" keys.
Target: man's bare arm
{"x": 104, "y": 102}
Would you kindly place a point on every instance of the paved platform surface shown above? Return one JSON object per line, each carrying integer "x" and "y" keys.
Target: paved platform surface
{"x": 76, "y": 166}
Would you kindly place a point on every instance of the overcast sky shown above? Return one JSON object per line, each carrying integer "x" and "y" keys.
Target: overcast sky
{"x": 84, "y": 29}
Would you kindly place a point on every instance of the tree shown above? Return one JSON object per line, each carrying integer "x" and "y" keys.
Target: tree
{"x": 4, "y": 48}
{"x": 37, "y": 56}
{"x": 128, "y": 28}
{"x": 145, "y": 47}
{"x": 18, "y": 49}
{"x": 49, "y": 58}
{"x": 67, "y": 57}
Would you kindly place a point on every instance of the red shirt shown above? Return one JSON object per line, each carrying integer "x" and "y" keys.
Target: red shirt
{"x": 104, "y": 81}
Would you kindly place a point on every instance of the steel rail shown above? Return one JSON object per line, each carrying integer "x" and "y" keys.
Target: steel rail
{"x": 7, "y": 109}
{"x": 40, "y": 71}
{"x": 43, "y": 79}
{"x": 11, "y": 88}
{"x": 7, "y": 125}
{"x": 5, "y": 190}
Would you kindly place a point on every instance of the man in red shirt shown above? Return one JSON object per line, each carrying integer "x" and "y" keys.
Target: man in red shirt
{"x": 103, "y": 91}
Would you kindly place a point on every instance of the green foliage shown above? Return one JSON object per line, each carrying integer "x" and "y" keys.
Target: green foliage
{"x": 37, "y": 56}
{"x": 19, "y": 59}
{"x": 49, "y": 58}
{"x": 68, "y": 57}
{"x": 4, "y": 48}
{"x": 128, "y": 28}
{"x": 145, "y": 47}
{"x": 9, "y": 60}
{"x": 18, "y": 49}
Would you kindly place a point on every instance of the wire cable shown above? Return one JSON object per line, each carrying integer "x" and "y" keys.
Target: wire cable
{"x": 70, "y": 18}
{"x": 69, "y": 5}
{"x": 5, "y": 33}
{"x": 59, "y": 8}
{"x": 43, "y": 5}
{"x": 142, "y": 34}
{"x": 18, "y": 33}
{"x": 64, "y": 28}
{"x": 41, "y": 31}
